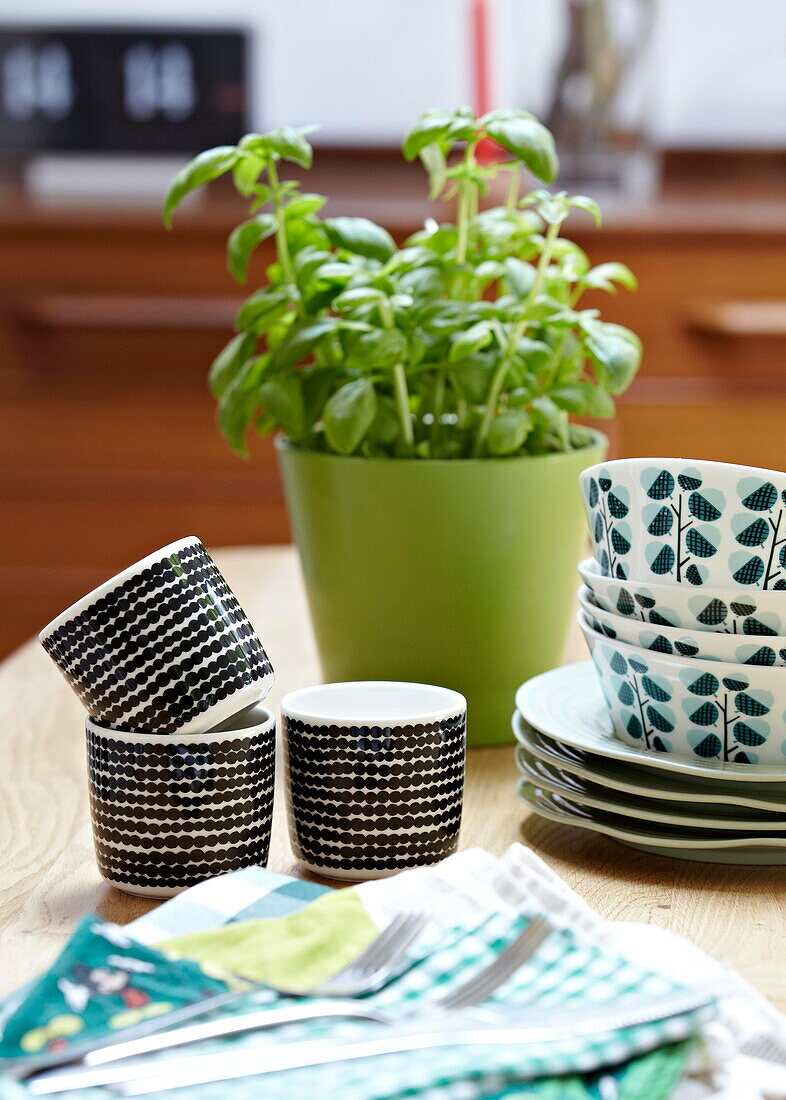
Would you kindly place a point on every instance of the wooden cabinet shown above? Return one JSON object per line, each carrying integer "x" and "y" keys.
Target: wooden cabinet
{"x": 108, "y": 447}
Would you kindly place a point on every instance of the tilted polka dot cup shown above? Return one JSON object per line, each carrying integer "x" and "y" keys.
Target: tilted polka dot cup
{"x": 374, "y": 776}
{"x": 170, "y": 811}
{"x": 163, "y": 645}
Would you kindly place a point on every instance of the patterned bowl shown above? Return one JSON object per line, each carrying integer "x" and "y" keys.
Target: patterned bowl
{"x": 718, "y": 610}
{"x": 681, "y": 642}
{"x": 691, "y": 708}
{"x": 681, "y": 521}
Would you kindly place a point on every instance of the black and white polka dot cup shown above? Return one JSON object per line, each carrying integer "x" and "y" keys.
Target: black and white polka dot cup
{"x": 374, "y": 776}
{"x": 169, "y": 812}
{"x": 164, "y": 645}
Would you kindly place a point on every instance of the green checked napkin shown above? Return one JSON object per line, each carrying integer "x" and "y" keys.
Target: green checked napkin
{"x": 638, "y": 1063}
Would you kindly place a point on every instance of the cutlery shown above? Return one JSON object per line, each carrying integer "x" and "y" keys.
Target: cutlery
{"x": 370, "y": 971}
{"x": 472, "y": 992}
{"x": 530, "y": 1027}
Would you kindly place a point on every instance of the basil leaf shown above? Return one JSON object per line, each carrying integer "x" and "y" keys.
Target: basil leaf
{"x": 349, "y": 414}
{"x": 604, "y": 276}
{"x": 282, "y": 398}
{"x": 584, "y": 399}
{"x": 244, "y": 239}
{"x": 380, "y": 349}
{"x": 508, "y": 431}
{"x": 228, "y": 362}
{"x": 520, "y": 276}
{"x": 615, "y": 352}
{"x": 298, "y": 342}
{"x": 207, "y": 166}
{"x": 529, "y": 142}
{"x": 263, "y": 307}
{"x": 471, "y": 340}
{"x": 361, "y": 236}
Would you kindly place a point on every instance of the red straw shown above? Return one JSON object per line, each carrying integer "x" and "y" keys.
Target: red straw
{"x": 480, "y": 38}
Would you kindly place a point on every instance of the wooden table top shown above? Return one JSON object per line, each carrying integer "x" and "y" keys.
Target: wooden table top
{"x": 48, "y": 875}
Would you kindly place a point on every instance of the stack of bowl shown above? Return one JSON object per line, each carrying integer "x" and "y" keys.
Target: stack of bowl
{"x": 684, "y": 611}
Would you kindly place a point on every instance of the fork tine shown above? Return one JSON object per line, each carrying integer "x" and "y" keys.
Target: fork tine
{"x": 491, "y": 977}
{"x": 385, "y": 951}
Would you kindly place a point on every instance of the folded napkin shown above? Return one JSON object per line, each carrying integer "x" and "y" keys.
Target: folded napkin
{"x": 478, "y": 904}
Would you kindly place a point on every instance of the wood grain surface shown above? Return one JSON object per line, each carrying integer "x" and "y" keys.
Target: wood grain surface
{"x": 48, "y": 876}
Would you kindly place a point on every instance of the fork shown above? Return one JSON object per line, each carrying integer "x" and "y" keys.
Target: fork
{"x": 370, "y": 971}
{"x": 470, "y": 993}
{"x": 533, "y": 1026}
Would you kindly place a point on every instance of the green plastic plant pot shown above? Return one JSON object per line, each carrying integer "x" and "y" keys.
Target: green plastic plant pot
{"x": 459, "y": 573}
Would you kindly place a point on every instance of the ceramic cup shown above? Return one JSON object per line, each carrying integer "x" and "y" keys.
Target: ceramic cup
{"x": 164, "y": 645}
{"x": 700, "y": 710}
{"x": 688, "y": 522}
{"x": 703, "y": 644}
{"x": 374, "y": 776}
{"x": 168, "y": 812}
{"x": 729, "y": 611}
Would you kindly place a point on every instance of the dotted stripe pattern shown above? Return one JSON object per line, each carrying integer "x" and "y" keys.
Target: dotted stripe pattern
{"x": 169, "y": 814}
{"x": 372, "y": 798}
{"x": 163, "y": 647}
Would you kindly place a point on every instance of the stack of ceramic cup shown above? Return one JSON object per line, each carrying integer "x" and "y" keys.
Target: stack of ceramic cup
{"x": 181, "y": 753}
{"x": 684, "y": 611}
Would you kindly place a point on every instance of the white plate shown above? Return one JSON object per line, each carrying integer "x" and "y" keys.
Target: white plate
{"x": 567, "y": 705}
{"x": 663, "y": 840}
{"x": 713, "y": 817}
{"x": 647, "y": 782}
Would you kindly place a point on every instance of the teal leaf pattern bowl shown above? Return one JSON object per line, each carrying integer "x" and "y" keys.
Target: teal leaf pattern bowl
{"x": 688, "y": 522}
{"x": 753, "y": 613}
{"x": 689, "y": 707}
{"x": 682, "y": 642}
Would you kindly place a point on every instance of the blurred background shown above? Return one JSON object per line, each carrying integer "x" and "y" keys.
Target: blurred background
{"x": 671, "y": 112}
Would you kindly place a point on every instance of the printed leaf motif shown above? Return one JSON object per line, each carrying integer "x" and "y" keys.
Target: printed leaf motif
{"x": 638, "y": 666}
{"x": 706, "y": 684}
{"x": 763, "y": 656}
{"x": 753, "y": 626}
{"x": 662, "y": 523}
{"x": 744, "y": 758}
{"x": 619, "y": 572}
{"x": 782, "y": 557}
{"x": 607, "y": 630}
{"x": 605, "y": 483}
{"x": 664, "y": 561}
{"x": 625, "y": 694}
{"x": 701, "y": 509}
{"x": 617, "y": 508}
{"x": 713, "y": 614}
{"x": 662, "y": 486}
{"x": 661, "y": 645}
{"x": 659, "y": 744}
{"x": 655, "y": 690}
{"x": 660, "y": 620}
{"x": 687, "y": 649}
{"x": 659, "y": 721}
{"x": 604, "y": 563}
{"x": 780, "y": 585}
{"x": 687, "y": 482}
{"x": 619, "y": 664}
{"x": 742, "y": 608}
{"x": 706, "y": 715}
{"x": 746, "y": 704}
{"x": 693, "y": 576}
{"x": 732, "y": 684}
{"x": 747, "y": 736}
{"x": 592, "y": 492}
{"x": 625, "y": 604}
{"x": 709, "y": 747}
{"x": 634, "y": 727}
{"x": 754, "y": 534}
{"x": 699, "y": 545}
{"x": 761, "y": 499}
{"x": 750, "y": 572}
{"x": 645, "y": 601}
{"x": 619, "y": 542}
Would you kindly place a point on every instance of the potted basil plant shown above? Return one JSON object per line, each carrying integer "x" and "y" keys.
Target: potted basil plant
{"x": 423, "y": 396}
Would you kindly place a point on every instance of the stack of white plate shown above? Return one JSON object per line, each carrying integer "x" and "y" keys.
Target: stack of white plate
{"x": 675, "y": 742}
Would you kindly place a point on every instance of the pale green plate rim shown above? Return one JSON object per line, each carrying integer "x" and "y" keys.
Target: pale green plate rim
{"x": 534, "y": 699}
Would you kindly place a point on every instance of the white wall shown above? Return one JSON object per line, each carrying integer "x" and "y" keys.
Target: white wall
{"x": 366, "y": 68}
